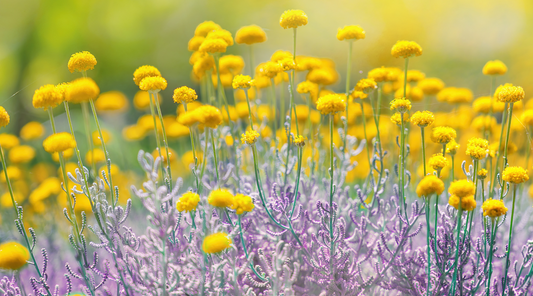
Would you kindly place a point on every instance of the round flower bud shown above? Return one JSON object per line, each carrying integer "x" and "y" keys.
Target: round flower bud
{"x": 81, "y": 61}
{"x": 293, "y": 19}
{"x": 406, "y": 49}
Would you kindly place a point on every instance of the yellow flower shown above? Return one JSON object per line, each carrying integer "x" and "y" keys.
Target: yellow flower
{"x": 111, "y": 101}
{"x": 228, "y": 140}
{"x": 216, "y": 243}
{"x": 230, "y": 64}
{"x": 176, "y": 130}
{"x": 366, "y": 85}
{"x": 443, "y": 134}
{"x": 308, "y": 87}
{"x": 153, "y": 83}
{"x": 21, "y": 154}
{"x": 351, "y": 32}
{"x": 189, "y": 118}
{"x": 482, "y": 173}
{"x": 208, "y": 115}
{"x": 31, "y": 131}
{"x": 81, "y": 90}
{"x": 438, "y": 162}
{"x": 242, "y": 81}
{"x": 515, "y": 175}
{"x": 81, "y": 61}
{"x": 195, "y": 42}
{"x": 188, "y": 202}
{"x": 462, "y": 188}
{"x": 250, "y": 137}
{"x": 141, "y": 100}
{"x": 495, "y": 67}
{"x": 250, "y": 35}
{"x": 50, "y": 186}
{"x": 133, "y": 133}
{"x": 213, "y": 45}
{"x": 331, "y": 103}
{"x": 13, "y": 172}
{"x": 95, "y": 156}
{"x": 143, "y": 72}
{"x": 67, "y": 154}
{"x": 483, "y": 105}
{"x": 423, "y": 118}
{"x": 323, "y": 76}
{"x": 220, "y": 198}
{"x": 400, "y": 104}
{"x": 204, "y": 28}
{"x": 299, "y": 141}
{"x": 510, "y": 94}
{"x": 527, "y": 117}
{"x": 493, "y": 208}
{"x": 59, "y": 142}
{"x": 415, "y": 75}
{"x": 511, "y": 148}
{"x": 96, "y": 137}
{"x": 242, "y": 203}
{"x": 378, "y": 74}
{"x": 484, "y": 122}
{"x": 396, "y": 118}
{"x": 220, "y": 34}
{"x": 4, "y": 117}
{"x": 431, "y": 86}
{"x": 47, "y": 96}
{"x": 394, "y": 74}
{"x": 287, "y": 64}
{"x": 477, "y": 148}
{"x": 468, "y": 203}
{"x": 13, "y": 256}
{"x": 184, "y": 95}
{"x": 8, "y": 141}
{"x": 431, "y": 184}
{"x": 293, "y": 19}
{"x": 406, "y": 49}
{"x": 280, "y": 55}
{"x": 452, "y": 147}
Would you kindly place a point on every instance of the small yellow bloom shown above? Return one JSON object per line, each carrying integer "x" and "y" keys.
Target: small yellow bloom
{"x": 250, "y": 137}
{"x": 4, "y": 117}
{"x": 111, "y": 101}
{"x": 188, "y": 202}
{"x": 323, "y": 76}
{"x": 220, "y": 34}
{"x": 242, "y": 203}
{"x": 47, "y": 96}
{"x": 299, "y": 141}
{"x": 250, "y": 35}
{"x": 21, "y": 154}
{"x": 331, "y": 103}
{"x": 228, "y": 139}
{"x": 287, "y": 64}
{"x": 510, "y": 94}
{"x": 153, "y": 83}
{"x": 242, "y": 81}
{"x": 431, "y": 184}
{"x": 13, "y": 172}
{"x": 31, "y": 131}
{"x": 452, "y": 147}
{"x": 495, "y": 67}
{"x": 143, "y": 72}
{"x": 213, "y": 45}
{"x": 308, "y": 87}
{"x": 96, "y": 155}
{"x": 209, "y": 116}
{"x": 8, "y": 141}
{"x": 462, "y": 188}
{"x": 468, "y": 203}
{"x": 527, "y": 117}
{"x": 13, "y": 256}
{"x": 401, "y": 105}
{"x": 438, "y": 162}
{"x": 81, "y": 61}
{"x": 443, "y": 134}
{"x": 493, "y": 208}
{"x": 216, "y": 243}
{"x": 59, "y": 142}
{"x": 493, "y": 148}
{"x": 482, "y": 173}
{"x": 423, "y": 118}
{"x": 397, "y": 117}
{"x": 515, "y": 175}
{"x": 220, "y": 198}
{"x": 195, "y": 42}
{"x": 415, "y": 75}
{"x": 293, "y": 19}
{"x": 81, "y": 90}
{"x": 141, "y": 100}
{"x": 176, "y": 130}
{"x": 67, "y": 154}
{"x": 230, "y": 64}
{"x": 133, "y": 133}
{"x": 280, "y": 55}
{"x": 351, "y": 33}
{"x": 96, "y": 137}
{"x": 431, "y": 86}
{"x": 204, "y": 28}
{"x": 378, "y": 74}
{"x": 406, "y": 49}
{"x": 184, "y": 95}
{"x": 477, "y": 148}
{"x": 366, "y": 85}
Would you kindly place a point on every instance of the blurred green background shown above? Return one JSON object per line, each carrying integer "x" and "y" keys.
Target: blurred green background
{"x": 458, "y": 37}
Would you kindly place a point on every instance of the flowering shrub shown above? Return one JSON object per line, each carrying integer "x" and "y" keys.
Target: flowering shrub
{"x": 325, "y": 193}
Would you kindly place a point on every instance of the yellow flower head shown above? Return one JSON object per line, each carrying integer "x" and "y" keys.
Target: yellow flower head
{"x": 331, "y": 103}
{"x": 462, "y": 188}
{"x": 209, "y": 116}
{"x": 216, "y": 243}
{"x": 493, "y": 148}
{"x": 204, "y": 28}
{"x": 8, "y": 141}
{"x": 21, "y": 154}
{"x": 195, "y": 42}
{"x": 379, "y": 74}
{"x": 231, "y": 64}
{"x": 527, "y": 117}
{"x": 250, "y": 35}
{"x": 452, "y": 147}
{"x": 482, "y": 173}
{"x": 177, "y": 130}
{"x": 515, "y": 175}
{"x": 67, "y": 154}
{"x": 397, "y": 117}
{"x": 394, "y": 74}
{"x": 510, "y": 94}
{"x": 293, "y": 19}
{"x": 351, "y": 33}
{"x": 477, "y": 148}
{"x": 269, "y": 69}
{"x": 141, "y": 100}
{"x": 4, "y": 117}
{"x": 188, "y": 202}
{"x": 323, "y": 76}
{"x": 96, "y": 137}
{"x": 308, "y": 87}
{"x": 250, "y": 137}
{"x": 133, "y": 133}
{"x": 431, "y": 184}
{"x": 13, "y": 256}
{"x": 111, "y": 101}
{"x": 242, "y": 203}
{"x": 213, "y": 45}
{"x": 493, "y": 208}
{"x": 401, "y": 105}
{"x": 406, "y": 49}
{"x": 423, "y": 118}
{"x": 153, "y": 83}
{"x": 415, "y": 75}
{"x": 299, "y": 141}
{"x": 443, "y": 134}
{"x": 143, "y": 72}
{"x": 59, "y": 142}
{"x": 287, "y": 64}
{"x": 280, "y": 55}
{"x": 188, "y": 118}
{"x": 495, "y": 67}
{"x": 438, "y": 162}
{"x": 31, "y": 131}
{"x": 184, "y": 95}
{"x": 81, "y": 90}
{"x": 431, "y": 86}
{"x": 366, "y": 85}
{"x": 468, "y": 203}
{"x": 13, "y": 172}
{"x": 47, "y": 96}
{"x": 220, "y": 198}
{"x": 242, "y": 81}
{"x": 94, "y": 156}
{"x": 81, "y": 61}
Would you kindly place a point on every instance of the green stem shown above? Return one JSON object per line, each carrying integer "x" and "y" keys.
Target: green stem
{"x": 347, "y": 91}
{"x": 193, "y": 153}
{"x": 246, "y": 251}
{"x": 423, "y": 150}
{"x": 428, "y": 248}
{"x": 165, "y": 140}
{"x": 331, "y": 222}
{"x": 456, "y": 257}
{"x": 492, "y": 243}
{"x": 87, "y": 125}
{"x": 215, "y": 156}
{"x": 300, "y": 153}
{"x": 504, "y": 120}
{"x": 157, "y": 140}
{"x": 508, "y": 252}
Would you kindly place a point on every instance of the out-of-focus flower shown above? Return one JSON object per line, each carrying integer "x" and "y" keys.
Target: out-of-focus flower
{"x": 59, "y": 142}
{"x": 351, "y": 33}
{"x": 462, "y": 188}
{"x": 195, "y": 42}
{"x": 31, "y": 131}
{"x": 378, "y": 74}
{"x": 111, "y": 101}
{"x": 209, "y": 116}
{"x": 242, "y": 81}
{"x": 431, "y": 184}
{"x": 437, "y": 162}
{"x": 366, "y": 85}
{"x": 468, "y": 203}
{"x": 431, "y": 86}
{"x": 220, "y": 198}
{"x": 443, "y": 134}
{"x": 213, "y": 45}
{"x": 495, "y": 67}
{"x": 81, "y": 90}
{"x": 216, "y": 243}
{"x": 13, "y": 256}
{"x": 250, "y": 35}
{"x": 94, "y": 156}
{"x": 21, "y": 154}
{"x": 204, "y": 28}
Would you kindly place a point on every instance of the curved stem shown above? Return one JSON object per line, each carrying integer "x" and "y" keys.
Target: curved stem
{"x": 246, "y": 251}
